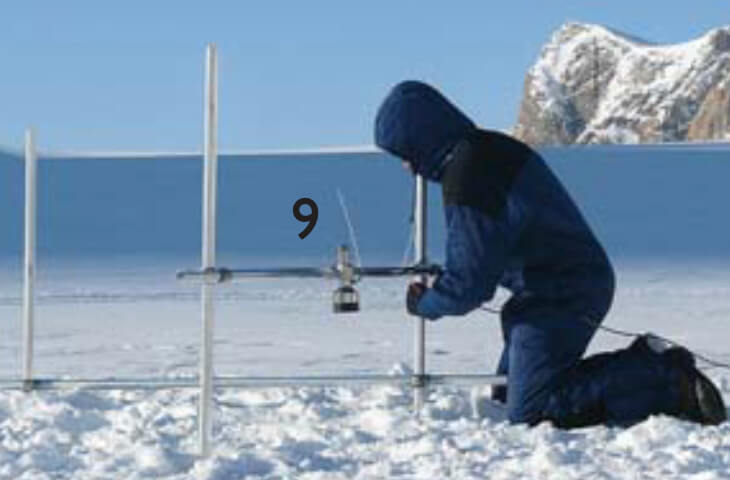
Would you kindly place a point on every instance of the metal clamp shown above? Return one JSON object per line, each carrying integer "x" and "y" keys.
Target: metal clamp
{"x": 420, "y": 381}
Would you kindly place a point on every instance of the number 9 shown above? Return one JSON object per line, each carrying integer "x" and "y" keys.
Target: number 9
{"x": 311, "y": 217}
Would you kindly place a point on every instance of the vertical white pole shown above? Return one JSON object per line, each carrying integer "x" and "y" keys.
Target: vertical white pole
{"x": 419, "y": 239}
{"x": 29, "y": 257}
{"x": 210, "y": 175}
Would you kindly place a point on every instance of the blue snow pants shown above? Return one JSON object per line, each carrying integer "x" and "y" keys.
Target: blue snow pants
{"x": 547, "y": 380}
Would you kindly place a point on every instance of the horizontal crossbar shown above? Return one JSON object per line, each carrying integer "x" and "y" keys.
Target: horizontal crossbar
{"x": 248, "y": 382}
{"x": 219, "y": 275}
{"x": 334, "y": 151}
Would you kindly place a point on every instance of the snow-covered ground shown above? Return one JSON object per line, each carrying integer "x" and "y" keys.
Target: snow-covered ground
{"x": 332, "y": 433}
{"x": 145, "y": 326}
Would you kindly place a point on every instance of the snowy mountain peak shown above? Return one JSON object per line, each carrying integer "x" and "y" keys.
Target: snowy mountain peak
{"x": 570, "y": 30}
{"x": 593, "y": 84}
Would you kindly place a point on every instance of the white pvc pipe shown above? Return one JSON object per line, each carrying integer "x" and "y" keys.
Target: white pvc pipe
{"x": 335, "y": 151}
{"x": 248, "y": 382}
{"x": 419, "y": 239}
{"x": 31, "y": 161}
{"x": 210, "y": 175}
{"x": 331, "y": 151}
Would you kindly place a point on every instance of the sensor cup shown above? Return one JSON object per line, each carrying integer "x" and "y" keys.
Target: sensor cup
{"x": 345, "y": 298}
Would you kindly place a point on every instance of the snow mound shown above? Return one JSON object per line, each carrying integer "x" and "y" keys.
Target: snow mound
{"x": 318, "y": 433}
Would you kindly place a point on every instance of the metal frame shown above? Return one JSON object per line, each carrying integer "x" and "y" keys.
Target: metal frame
{"x": 210, "y": 184}
{"x": 420, "y": 215}
{"x": 209, "y": 276}
{"x": 31, "y": 183}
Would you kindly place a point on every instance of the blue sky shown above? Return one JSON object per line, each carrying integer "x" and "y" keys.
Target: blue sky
{"x": 128, "y": 75}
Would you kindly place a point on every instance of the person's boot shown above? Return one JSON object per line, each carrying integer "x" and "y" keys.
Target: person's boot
{"x": 699, "y": 400}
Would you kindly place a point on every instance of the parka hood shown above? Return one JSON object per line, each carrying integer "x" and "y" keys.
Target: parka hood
{"x": 418, "y": 124}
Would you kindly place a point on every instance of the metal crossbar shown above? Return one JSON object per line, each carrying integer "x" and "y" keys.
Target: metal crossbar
{"x": 222, "y": 275}
{"x": 53, "y": 384}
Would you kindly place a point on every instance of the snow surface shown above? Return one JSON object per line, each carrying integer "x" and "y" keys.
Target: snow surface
{"x": 266, "y": 328}
{"x": 332, "y": 433}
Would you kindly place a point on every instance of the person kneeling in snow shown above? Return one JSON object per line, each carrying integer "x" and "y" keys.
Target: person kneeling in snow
{"x": 511, "y": 223}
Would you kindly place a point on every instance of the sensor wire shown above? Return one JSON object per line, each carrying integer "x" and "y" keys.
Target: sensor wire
{"x": 411, "y": 228}
{"x": 350, "y": 228}
{"x": 624, "y": 333}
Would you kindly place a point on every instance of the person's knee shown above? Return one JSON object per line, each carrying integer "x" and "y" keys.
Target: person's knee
{"x": 530, "y": 412}
{"x": 520, "y": 416}
{"x": 516, "y": 416}
{"x": 561, "y": 416}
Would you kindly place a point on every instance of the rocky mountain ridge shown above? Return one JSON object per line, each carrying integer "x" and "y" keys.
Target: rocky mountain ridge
{"x": 592, "y": 84}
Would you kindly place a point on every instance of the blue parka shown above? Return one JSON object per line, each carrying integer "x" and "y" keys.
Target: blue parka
{"x": 510, "y": 222}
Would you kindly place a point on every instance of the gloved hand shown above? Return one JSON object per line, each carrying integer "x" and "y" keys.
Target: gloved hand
{"x": 413, "y": 296}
